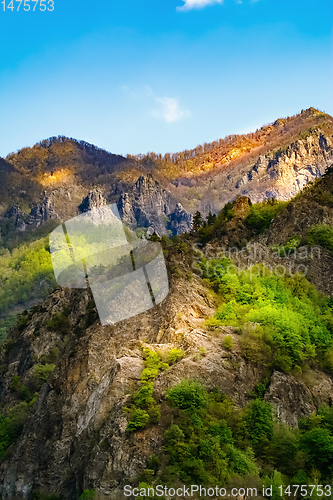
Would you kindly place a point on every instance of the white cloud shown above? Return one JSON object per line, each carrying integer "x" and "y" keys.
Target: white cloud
{"x": 197, "y": 4}
{"x": 169, "y": 109}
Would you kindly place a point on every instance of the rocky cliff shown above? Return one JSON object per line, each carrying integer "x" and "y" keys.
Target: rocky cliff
{"x": 75, "y": 437}
{"x": 283, "y": 174}
{"x": 151, "y": 206}
{"x": 147, "y": 205}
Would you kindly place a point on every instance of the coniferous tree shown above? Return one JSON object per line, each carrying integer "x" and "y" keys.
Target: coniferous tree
{"x": 197, "y": 222}
{"x": 211, "y": 218}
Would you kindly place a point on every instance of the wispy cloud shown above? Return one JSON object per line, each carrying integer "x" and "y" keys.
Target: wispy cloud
{"x": 166, "y": 108}
{"x": 197, "y": 4}
{"x": 169, "y": 109}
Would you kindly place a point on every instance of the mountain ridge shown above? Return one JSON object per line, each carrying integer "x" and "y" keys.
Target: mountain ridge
{"x": 295, "y": 150}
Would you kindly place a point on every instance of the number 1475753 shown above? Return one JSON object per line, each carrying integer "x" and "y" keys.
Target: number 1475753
{"x": 27, "y": 5}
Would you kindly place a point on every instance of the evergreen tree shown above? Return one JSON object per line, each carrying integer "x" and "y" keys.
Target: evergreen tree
{"x": 211, "y": 218}
{"x": 197, "y": 222}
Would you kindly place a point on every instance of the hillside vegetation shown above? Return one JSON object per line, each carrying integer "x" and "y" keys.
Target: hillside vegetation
{"x": 236, "y": 149}
{"x": 26, "y": 276}
{"x": 208, "y": 441}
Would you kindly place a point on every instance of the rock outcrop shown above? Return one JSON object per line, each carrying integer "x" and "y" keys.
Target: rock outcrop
{"x": 39, "y": 214}
{"x": 94, "y": 199}
{"x": 17, "y": 216}
{"x": 150, "y": 205}
{"x": 180, "y": 221}
{"x": 43, "y": 212}
{"x": 283, "y": 174}
{"x": 126, "y": 211}
{"x": 313, "y": 207}
{"x": 292, "y": 399}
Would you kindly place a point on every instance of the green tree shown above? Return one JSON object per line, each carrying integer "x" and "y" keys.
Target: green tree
{"x": 197, "y": 222}
{"x": 211, "y": 219}
{"x": 188, "y": 395}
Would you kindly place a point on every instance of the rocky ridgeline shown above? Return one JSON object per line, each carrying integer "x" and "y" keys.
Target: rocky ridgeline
{"x": 283, "y": 174}
{"x": 148, "y": 205}
{"x": 39, "y": 214}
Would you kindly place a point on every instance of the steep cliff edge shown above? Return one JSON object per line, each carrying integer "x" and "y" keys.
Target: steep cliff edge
{"x": 282, "y": 175}
{"x": 75, "y": 435}
{"x": 150, "y": 205}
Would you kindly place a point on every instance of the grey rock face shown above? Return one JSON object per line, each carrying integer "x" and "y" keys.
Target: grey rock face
{"x": 283, "y": 174}
{"x": 13, "y": 211}
{"x": 292, "y": 399}
{"x": 17, "y": 215}
{"x": 180, "y": 220}
{"x": 150, "y": 205}
{"x": 77, "y": 427}
{"x": 126, "y": 210}
{"x": 95, "y": 199}
{"x": 43, "y": 212}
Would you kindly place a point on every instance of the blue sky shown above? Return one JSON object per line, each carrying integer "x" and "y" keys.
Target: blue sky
{"x": 160, "y": 75}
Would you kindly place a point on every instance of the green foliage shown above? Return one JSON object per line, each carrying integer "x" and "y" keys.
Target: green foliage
{"x": 197, "y": 222}
{"x": 153, "y": 364}
{"x": 321, "y": 235}
{"x": 228, "y": 342}
{"x": 283, "y": 321}
{"x": 42, "y": 373}
{"x": 5, "y": 325}
{"x": 288, "y": 248}
{"x": 154, "y": 413}
{"x": 21, "y": 390}
{"x": 274, "y": 481}
{"x": 144, "y": 398}
{"x": 188, "y": 395}
{"x": 36, "y": 495}
{"x": 328, "y": 360}
{"x": 60, "y": 322}
{"x": 216, "y": 443}
{"x": 174, "y": 355}
{"x": 199, "y": 442}
{"x": 216, "y": 225}
{"x": 153, "y": 463}
{"x": 260, "y": 422}
{"x": 145, "y": 409}
{"x": 88, "y": 495}
{"x": 140, "y": 419}
{"x": 317, "y": 443}
{"x": 174, "y": 434}
{"x": 26, "y": 272}
{"x": 11, "y": 425}
{"x": 261, "y": 214}
{"x": 259, "y": 390}
{"x": 211, "y": 219}
{"x": 146, "y": 492}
